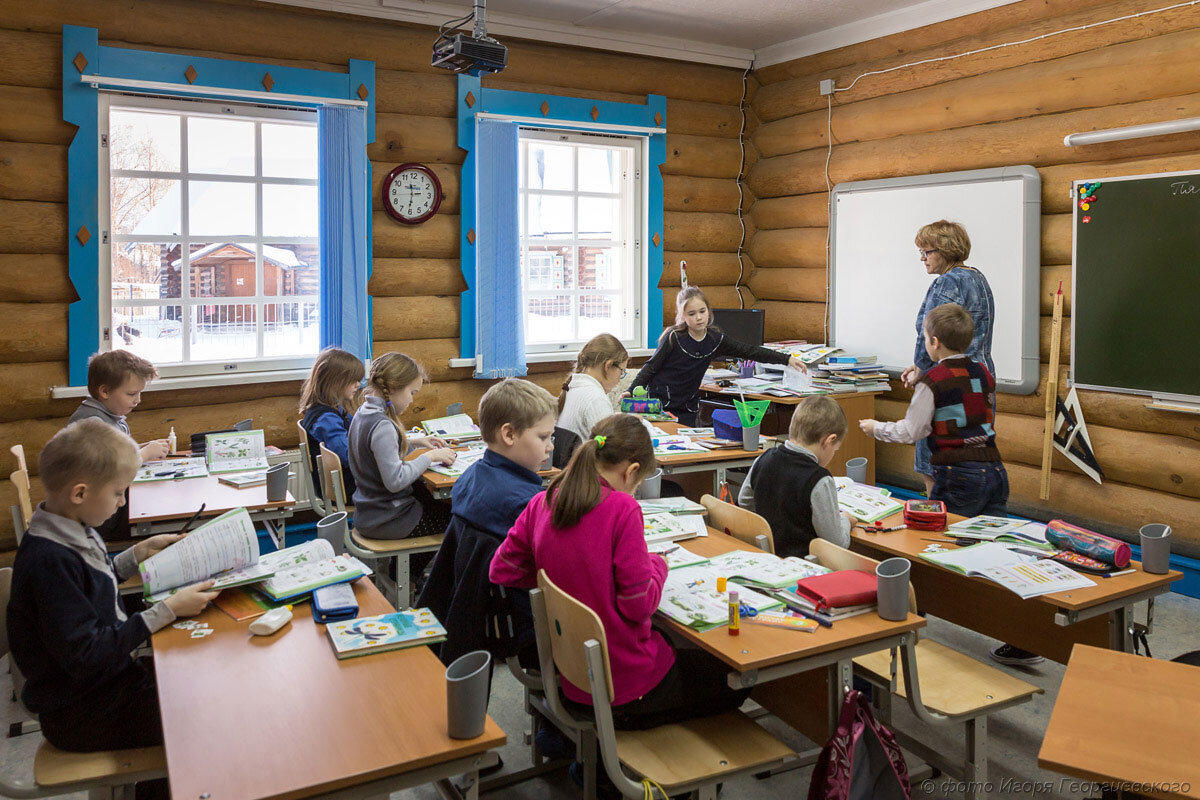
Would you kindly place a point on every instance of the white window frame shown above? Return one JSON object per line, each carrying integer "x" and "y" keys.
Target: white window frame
{"x": 634, "y": 292}
{"x": 224, "y": 110}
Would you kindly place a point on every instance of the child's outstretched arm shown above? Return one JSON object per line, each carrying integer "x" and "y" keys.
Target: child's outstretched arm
{"x": 915, "y": 426}
{"x": 652, "y": 366}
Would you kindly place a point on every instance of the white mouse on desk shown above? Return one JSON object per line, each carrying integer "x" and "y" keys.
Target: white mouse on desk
{"x": 271, "y": 621}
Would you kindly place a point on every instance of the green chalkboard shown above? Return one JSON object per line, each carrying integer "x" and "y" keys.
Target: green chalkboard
{"x": 1136, "y": 302}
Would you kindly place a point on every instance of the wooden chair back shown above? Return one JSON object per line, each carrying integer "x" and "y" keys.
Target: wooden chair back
{"x": 571, "y": 624}
{"x": 306, "y": 473}
{"x": 830, "y": 555}
{"x": 332, "y": 487}
{"x": 739, "y": 523}
{"x": 18, "y": 452}
{"x": 20, "y": 479}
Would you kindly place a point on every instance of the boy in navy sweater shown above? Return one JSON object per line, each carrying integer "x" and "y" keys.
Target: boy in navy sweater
{"x": 68, "y": 633}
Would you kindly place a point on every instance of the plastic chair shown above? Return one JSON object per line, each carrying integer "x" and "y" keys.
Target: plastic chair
{"x": 102, "y": 774}
{"x": 739, "y": 523}
{"x": 306, "y": 474}
{"x": 692, "y": 756}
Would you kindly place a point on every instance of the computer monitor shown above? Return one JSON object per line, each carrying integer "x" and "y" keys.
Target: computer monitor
{"x": 742, "y": 324}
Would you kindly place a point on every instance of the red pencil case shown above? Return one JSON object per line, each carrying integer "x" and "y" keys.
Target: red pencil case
{"x": 846, "y": 587}
{"x": 925, "y": 515}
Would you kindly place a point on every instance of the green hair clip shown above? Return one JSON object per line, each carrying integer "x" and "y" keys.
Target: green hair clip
{"x": 600, "y": 440}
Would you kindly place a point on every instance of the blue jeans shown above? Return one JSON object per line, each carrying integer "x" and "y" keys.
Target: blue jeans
{"x": 921, "y": 458}
{"x": 971, "y": 488}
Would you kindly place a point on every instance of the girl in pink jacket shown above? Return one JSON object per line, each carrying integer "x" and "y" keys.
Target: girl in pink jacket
{"x": 586, "y": 531}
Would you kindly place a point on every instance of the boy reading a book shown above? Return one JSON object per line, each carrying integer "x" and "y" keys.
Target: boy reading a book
{"x": 952, "y": 408}
{"x": 68, "y": 633}
{"x": 790, "y": 487}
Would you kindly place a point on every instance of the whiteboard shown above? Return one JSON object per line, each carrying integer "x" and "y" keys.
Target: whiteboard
{"x": 877, "y": 280}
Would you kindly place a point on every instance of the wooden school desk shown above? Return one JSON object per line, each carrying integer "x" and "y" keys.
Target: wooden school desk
{"x": 1049, "y": 625}
{"x": 162, "y": 506}
{"x": 1124, "y": 719}
{"x": 440, "y": 485}
{"x": 773, "y": 659}
{"x": 855, "y": 405}
{"x": 248, "y": 717}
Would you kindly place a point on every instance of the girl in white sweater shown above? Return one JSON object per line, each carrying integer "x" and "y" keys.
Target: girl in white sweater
{"x": 598, "y": 369}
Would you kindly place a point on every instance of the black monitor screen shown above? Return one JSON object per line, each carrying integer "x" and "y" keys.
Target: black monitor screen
{"x": 742, "y": 324}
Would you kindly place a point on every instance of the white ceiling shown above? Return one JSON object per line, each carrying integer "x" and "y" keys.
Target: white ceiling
{"x": 731, "y": 32}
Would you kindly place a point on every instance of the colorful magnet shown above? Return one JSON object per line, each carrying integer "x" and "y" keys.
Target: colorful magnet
{"x": 1087, "y": 219}
{"x": 1085, "y": 206}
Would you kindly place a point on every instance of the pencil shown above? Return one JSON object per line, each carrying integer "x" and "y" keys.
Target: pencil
{"x": 192, "y": 521}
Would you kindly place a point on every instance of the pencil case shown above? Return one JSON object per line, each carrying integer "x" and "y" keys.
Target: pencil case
{"x": 845, "y": 587}
{"x": 1066, "y": 536}
{"x": 641, "y": 405}
{"x": 925, "y": 515}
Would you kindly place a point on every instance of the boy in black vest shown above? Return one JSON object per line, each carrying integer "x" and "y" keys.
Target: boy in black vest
{"x": 953, "y": 407}
{"x": 790, "y": 487}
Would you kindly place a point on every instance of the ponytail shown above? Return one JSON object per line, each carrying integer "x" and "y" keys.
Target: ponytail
{"x": 391, "y": 372}
{"x": 618, "y": 439}
{"x": 601, "y": 350}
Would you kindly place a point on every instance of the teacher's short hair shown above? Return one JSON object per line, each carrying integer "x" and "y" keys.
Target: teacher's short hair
{"x": 952, "y": 325}
{"x": 948, "y": 238}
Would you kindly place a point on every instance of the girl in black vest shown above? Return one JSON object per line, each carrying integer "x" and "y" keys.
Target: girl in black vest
{"x": 686, "y": 349}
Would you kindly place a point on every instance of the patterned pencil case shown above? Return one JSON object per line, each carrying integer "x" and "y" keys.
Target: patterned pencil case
{"x": 925, "y": 515}
{"x": 1066, "y": 536}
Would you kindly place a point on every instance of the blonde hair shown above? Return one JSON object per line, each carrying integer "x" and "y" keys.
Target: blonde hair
{"x": 815, "y": 418}
{"x": 514, "y": 402}
{"x": 111, "y": 368}
{"x": 615, "y": 440}
{"x": 952, "y": 325}
{"x": 600, "y": 351}
{"x": 391, "y": 372}
{"x": 333, "y": 370}
{"x": 89, "y": 451}
{"x": 681, "y": 300}
{"x": 948, "y": 238}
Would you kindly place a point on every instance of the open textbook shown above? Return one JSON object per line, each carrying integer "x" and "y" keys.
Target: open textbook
{"x": 988, "y": 528}
{"x": 755, "y": 568}
{"x": 307, "y": 567}
{"x": 690, "y": 597}
{"x": 235, "y": 451}
{"x": 225, "y": 548}
{"x": 671, "y": 505}
{"x": 461, "y": 462}
{"x": 458, "y": 428}
{"x": 865, "y": 503}
{"x": 673, "y": 527}
{"x": 1016, "y": 569}
{"x": 168, "y": 469}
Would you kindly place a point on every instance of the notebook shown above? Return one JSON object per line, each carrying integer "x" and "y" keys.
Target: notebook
{"x": 759, "y": 569}
{"x": 383, "y": 632}
{"x": 168, "y": 469}
{"x": 672, "y": 527}
{"x": 1020, "y": 572}
{"x": 671, "y": 505}
{"x": 235, "y": 451}
{"x": 865, "y": 503}
{"x": 690, "y": 597}
{"x": 676, "y": 555}
{"x": 300, "y": 570}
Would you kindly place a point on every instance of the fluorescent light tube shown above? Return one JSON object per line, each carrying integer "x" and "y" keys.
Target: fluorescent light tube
{"x": 1133, "y": 132}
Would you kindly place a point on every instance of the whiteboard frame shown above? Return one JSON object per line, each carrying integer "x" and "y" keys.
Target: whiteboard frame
{"x": 1031, "y": 181}
{"x": 1166, "y": 396}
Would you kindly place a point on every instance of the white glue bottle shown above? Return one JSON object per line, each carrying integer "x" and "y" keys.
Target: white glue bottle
{"x": 171, "y": 440}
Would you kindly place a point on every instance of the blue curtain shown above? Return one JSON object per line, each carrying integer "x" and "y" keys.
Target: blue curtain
{"x": 345, "y": 210}
{"x": 500, "y": 329}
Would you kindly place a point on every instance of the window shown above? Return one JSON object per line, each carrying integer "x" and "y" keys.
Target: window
{"x": 212, "y": 260}
{"x": 582, "y": 263}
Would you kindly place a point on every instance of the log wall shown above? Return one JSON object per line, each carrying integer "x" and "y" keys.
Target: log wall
{"x": 998, "y": 108}
{"x": 416, "y": 279}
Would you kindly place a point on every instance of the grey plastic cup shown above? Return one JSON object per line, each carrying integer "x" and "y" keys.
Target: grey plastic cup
{"x": 891, "y": 587}
{"x": 277, "y": 482}
{"x": 651, "y": 488}
{"x": 333, "y": 530}
{"x": 856, "y": 469}
{"x": 750, "y": 437}
{"x": 468, "y": 681}
{"x": 1156, "y": 548}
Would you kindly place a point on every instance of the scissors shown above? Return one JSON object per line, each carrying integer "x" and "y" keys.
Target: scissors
{"x": 747, "y": 610}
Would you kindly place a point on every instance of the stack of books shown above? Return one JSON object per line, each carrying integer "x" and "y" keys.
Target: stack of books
{"x": 843, "y": 373}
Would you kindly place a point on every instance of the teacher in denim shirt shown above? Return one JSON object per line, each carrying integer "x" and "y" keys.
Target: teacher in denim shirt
{"x": 944, "y": 246}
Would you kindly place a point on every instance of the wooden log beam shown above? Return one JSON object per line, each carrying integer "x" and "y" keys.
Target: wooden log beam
{"x": 1057, "y": 234}
{"x": 1056, "y": 180}
{"x": 421, "y": 93}
{"x": 29, "y": 226}
{"x": 789, "y": 283}
{"x": 704, "y": 269}
{"x": 33, "y": 172}
{"x": 33, "y": 115}
{"x": 789, "y": 247}
{"x": 449, "y": 175}
{"x": 33, "y": 332}
{"x": 436, "y": 238}
{"x": 708, "y": 232}
{"x": 686, "y": 193}
{"x": 432, "y": 399}
{"x": 797, "y": 211}
{"x": 411, "y": 277}
{"x": 20, "y": 286}
{"x": 702, "y": 156}
{"x": 1052, "y": 277}
{"x": 790, "y": 320}
{"x": 403, "y": 318}
{"x": 718, "y": 296}
{"x": 1132, "y": 71}
{"x": 400, "y": 138}
{"x": 31, "y": 59}
{"x": 1033, "y": 140}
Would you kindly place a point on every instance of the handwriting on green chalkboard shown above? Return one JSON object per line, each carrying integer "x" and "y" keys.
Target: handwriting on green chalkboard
{"x": 1184, "y": 187}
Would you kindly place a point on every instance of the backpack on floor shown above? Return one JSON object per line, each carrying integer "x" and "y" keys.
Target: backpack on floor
{"x": 861, "y": 761}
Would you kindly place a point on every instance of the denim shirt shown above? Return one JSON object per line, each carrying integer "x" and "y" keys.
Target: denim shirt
{"x": 969, "y": 288}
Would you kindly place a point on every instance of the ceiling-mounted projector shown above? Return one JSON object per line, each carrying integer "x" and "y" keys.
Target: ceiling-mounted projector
{"x": 475, "y": 53}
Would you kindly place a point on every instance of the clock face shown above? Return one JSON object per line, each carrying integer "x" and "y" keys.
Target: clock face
{"x": 412, "y": 193}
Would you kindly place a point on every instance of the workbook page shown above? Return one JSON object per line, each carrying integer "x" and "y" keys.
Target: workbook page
{"x": 227, "y": 542}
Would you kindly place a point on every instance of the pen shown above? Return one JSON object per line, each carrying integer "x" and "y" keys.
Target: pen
{"x": 943, "y": 541}
{"x": 820, "y": 619}
{"x": 1115, "y": 574}
{"x": 192, "y": 521}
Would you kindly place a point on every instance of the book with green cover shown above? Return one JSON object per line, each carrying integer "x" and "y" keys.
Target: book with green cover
{"x": 383, "y": 632}
{"x": 224, "y": 549}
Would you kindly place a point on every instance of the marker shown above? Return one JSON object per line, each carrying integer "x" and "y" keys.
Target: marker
{"x": 820, "y": 619}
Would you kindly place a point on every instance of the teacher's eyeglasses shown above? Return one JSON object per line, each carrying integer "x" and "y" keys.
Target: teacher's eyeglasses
{"x": 925, "y": 253}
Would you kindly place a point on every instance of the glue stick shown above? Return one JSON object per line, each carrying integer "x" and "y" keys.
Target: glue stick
{"x": 735, "y": 614}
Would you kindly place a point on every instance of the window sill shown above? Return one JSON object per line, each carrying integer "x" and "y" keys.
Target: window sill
{"x": 551, "y": 358}
{"x": 201, "y": 381}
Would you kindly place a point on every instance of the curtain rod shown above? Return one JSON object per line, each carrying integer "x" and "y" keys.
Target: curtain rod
{"x": 552, "y": 123}
{"x": 247, "y": 94}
